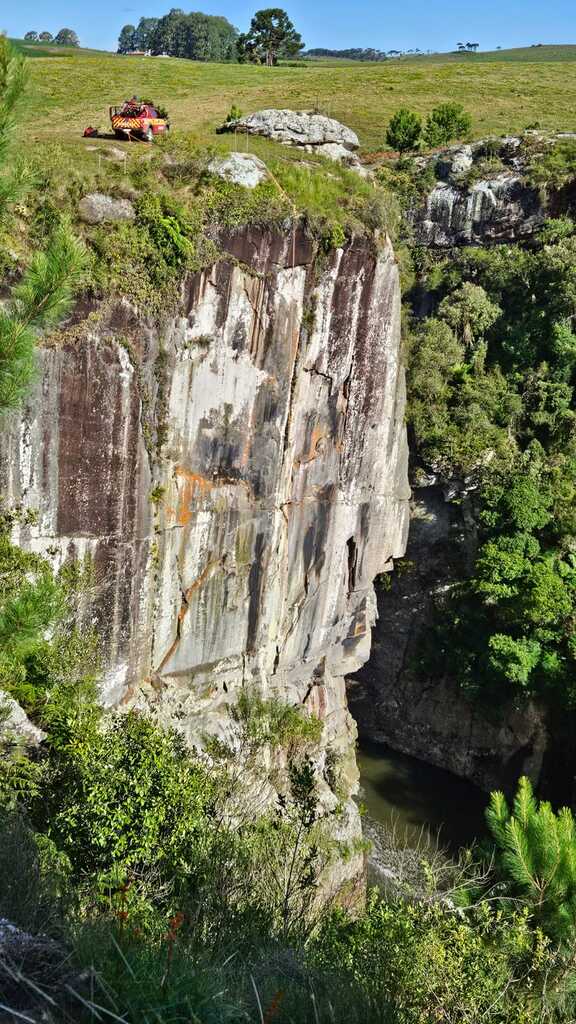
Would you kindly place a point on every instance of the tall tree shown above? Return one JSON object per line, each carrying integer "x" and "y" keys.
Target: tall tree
{"x": 196, "y": 36}
{"x": 31, "y": 37}
{"x": 143, "y": 33}
{"x": 271, "y": 35}
{"x": 126, "y": 39}
{"x": 67, "y": 37}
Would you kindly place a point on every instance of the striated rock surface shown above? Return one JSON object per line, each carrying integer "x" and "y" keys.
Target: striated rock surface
{"x": 395, "y": 703}
{"x": 238, "y": 478}
{"x": 501, "y": 209}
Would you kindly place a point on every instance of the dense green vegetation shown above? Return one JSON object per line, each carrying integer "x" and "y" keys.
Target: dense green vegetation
{"x": 491, "y": 404}
{"x": 195, "y": 36}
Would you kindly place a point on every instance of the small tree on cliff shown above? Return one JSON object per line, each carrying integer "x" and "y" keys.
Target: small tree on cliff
{"x": 44, "y": 292}
{"x": 271, "y": 35}
{"x": 404, "y": 131}
{"x": 447, "y": 122}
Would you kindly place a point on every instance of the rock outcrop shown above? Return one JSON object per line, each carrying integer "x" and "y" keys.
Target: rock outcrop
{"x": 237, "y": 478}
{"x": 315, "y": 133}
{"x": 391, "y": 698}
{"x": 482, "y": 195}
{"x": 240, "y": 168}
{"x": 500, "y": 209}
{"x": 295, "y": 128}
{"x": 97, "y": 208}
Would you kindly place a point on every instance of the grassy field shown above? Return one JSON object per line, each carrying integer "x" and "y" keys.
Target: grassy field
{"x": 71, "y": 91}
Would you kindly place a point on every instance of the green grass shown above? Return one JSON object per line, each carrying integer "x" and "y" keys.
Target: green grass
{"x": 68, "y": 94}
{"x": 50, "y": 49}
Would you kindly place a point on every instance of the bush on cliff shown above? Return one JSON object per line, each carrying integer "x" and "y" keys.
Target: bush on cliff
{"x": 445, "y": 123}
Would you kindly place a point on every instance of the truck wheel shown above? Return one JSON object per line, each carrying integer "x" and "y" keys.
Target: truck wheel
{"x": 149, "y": 134}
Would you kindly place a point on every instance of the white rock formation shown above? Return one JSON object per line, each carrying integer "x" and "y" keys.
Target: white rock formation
{"x": 97, "y": 208}
{"x": 296, "y": 128}
{"x": 240, "y": 168}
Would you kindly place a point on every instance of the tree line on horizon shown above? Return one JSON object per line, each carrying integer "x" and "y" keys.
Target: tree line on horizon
{"x": 65, "y": 37}
{"x": 207, "y": 37}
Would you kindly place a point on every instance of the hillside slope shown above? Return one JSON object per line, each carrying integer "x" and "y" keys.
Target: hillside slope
{"x": 502, "y": 97}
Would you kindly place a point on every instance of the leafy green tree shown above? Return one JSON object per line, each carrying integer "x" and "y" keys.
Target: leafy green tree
{"x": 144, "y": 32}
{"x": 469, "y": 311}
{"x": 67, "y": 37}
{"x": 31, "y": 37}
{"x": 195, "y": 36}
{"x": 404, "y": 131}
{"x": 445, "y": 123}
{"x": 127, "y": 39}
{"x": 536, "y": 850}
{"x": 45, "y": 37}
{"x": 271, "y": 36}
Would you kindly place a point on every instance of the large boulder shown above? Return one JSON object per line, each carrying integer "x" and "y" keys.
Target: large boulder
{"x": 295, "y": 128}
{"x": 240, "y": 168}
{"x": 98, "y": 208}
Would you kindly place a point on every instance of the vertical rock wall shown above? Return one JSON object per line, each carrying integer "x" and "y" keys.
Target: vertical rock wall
{"x": 238, "y": 478}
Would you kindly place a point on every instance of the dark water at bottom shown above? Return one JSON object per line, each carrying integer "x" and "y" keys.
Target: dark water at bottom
{"x": 403, "y": 793}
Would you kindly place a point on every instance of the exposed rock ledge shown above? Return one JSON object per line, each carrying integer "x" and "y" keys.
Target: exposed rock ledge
{"x": 239, "y": 479}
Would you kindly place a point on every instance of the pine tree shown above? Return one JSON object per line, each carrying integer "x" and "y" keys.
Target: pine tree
{"x": 536, "y": 854}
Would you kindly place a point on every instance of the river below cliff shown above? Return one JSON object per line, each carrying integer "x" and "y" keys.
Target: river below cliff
{"x": 406, "y": 796}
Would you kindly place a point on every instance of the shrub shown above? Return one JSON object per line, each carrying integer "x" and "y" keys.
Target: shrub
{"x": 445, "y": 123}
{"x": 404, "y": 131}
{"x": 416, "y": 957}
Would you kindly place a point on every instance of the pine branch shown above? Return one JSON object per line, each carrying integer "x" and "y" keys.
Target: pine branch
{"x": 43, "y": 297}
{"x": 497, "y": 816}
{"x": 517, "y": 857}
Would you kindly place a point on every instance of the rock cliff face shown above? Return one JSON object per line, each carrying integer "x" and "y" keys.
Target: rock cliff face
{"x": 482, "y": 195}
{"x": 238, "y": 478}
{"x": 501, "y": 209}
{"x": 392, "y": 699}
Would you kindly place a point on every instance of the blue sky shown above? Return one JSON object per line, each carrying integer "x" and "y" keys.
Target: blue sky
{"x": 397, "y": 25}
